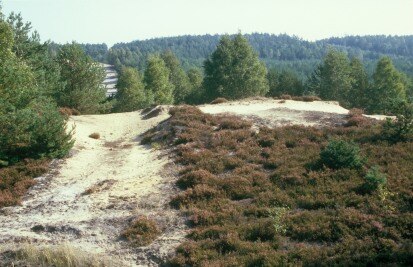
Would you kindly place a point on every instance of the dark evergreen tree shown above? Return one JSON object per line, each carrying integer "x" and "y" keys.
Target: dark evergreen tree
{"x": 358, "y": 94}
{"x": 234, "y": 71}
{"x": 131, "y": 93}
{"x": 177, "y": 76}
{"x": 157, "y": 81}
{"x": 388, "y": 88}
{"x": 332, "y": 79}
{"x": 83, "y": 78}
{"x": 196, "y": 95}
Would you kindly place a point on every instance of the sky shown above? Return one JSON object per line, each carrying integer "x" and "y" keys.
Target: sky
{"x": 114, "y": 21}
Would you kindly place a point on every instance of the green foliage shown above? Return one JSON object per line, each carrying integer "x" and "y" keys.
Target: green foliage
{"x": 6, "y": 40}
{"x": 30, "y": 125}
{"x": 284, "y": 83}
{"x": 36, "y": 131}
{"x": 358, "y": 94}
{"x": 234, "y": 71}
{"x": 131, "y": 93}
{"x": 332, "y": 79}
{"x": 82, "y": 79}
{"x": 374, "y": 180}
{"x": 277, "y": 51}
{"x": 388, "y": 88}
{"x": 195, "y": 77}
{"x": 157, "y": 81}
{"x": 341, "y": 154}
{"x": 177, "y": 77}
{"x": 401, "y": 128}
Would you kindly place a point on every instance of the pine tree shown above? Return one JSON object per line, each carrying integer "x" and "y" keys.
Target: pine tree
{"x": 358, "y": 94}
{"x": 131, "y": 93}
{"x": 157, "y": 82}
{"x": 177, "y": 76}
{"x": 196, "y": 95}
{"x": 234, "y": 71}
{"x": 83, "y": 80}
{"x": 388, "y": 87}
{"x": 272, "y": 77}
{"x": 332, "y": 79}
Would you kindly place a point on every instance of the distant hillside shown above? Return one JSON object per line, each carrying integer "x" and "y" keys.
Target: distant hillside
{"x": 281, "y": 51}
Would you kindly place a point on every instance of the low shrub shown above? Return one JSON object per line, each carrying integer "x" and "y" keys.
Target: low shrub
{"x": 285, "y": 97}
{"x": 219, "y": 100}
{"x": 374, "y": 180}
{"x": 306, "y": 98}
{"x": 341, "y": 154}
{"x": 401, "y": 128}
{"x": 69, "y": 111}
{"x": 17, "y": 179}
{"x": 141, "y": 232}
{"x": 355, "y": 118}
{"x": 94, "y": 135}
{"x": 258, "y": 199}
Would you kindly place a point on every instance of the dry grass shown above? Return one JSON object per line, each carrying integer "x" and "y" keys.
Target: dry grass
{"x": 263, "y": 198}
{"x": 219, "y": 100}
{"x": 94, "y": 135}
{"x": 69, "y": 111}
{"x": 56, "y": 256}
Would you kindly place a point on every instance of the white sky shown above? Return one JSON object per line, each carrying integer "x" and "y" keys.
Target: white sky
{"x": 112, "y": 21}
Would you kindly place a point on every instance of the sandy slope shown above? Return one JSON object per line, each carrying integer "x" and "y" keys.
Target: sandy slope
{"x": 271, "y": 112}
{"x": 127, "y": 179}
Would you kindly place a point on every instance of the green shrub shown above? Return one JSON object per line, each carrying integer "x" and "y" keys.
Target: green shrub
{"x": 401, "y": 128}
{"x": 37, "y": 131}
{"x": 341, "y": 154}
{"x": 374, "y": 180}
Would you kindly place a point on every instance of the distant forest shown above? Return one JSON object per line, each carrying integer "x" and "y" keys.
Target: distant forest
{"x": 277, "y": 51}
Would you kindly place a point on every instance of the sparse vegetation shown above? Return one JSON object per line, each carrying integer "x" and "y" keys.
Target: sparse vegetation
{"x": 57, "y": 256}
{"x": 254, "y": 198}
{"x": 219, "y": 100}
{"x": 17, "y": 179}
{"x": 141, "y": 232}
{"x": 94, "y": 135}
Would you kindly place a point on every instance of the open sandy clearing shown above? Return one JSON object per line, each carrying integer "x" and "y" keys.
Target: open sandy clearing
{"x": 93, "y": 194}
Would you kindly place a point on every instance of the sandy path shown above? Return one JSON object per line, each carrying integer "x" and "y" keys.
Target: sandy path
{"x": 127, "y": 179}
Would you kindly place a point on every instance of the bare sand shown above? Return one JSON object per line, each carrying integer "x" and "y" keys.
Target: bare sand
{"x": 125, "y": 180}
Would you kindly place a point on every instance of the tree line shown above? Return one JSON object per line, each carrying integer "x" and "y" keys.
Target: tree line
{"x": 36, "y": 79}
{"x": 234, "y": 71}
{"x": 282, "y": 51}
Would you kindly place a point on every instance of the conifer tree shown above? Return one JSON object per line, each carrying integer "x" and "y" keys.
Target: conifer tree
{"x": 131, "y": 93}
{"x": 332, "y": 79}
{"x": 83, "y": 80}
{"x": 177, "y": 76}
{"x": 358, "y": 94}
{"x": 388, "y": 88}
{"x": 157, "y": 82}
{"x": 234, "y": 71}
